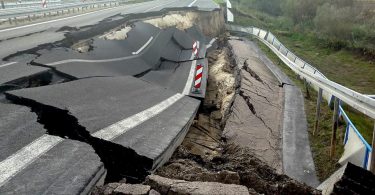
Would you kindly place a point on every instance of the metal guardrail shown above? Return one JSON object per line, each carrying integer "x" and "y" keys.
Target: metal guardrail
{"x": 24, "y": 11}
{"x": 9, "y": 5}
{"x": 350, "y": 125}
{"x": 358, "y": 101}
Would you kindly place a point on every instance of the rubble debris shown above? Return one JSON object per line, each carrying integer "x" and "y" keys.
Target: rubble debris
{"x": 83, "y": 46}
{"x": 105, "y": 190}
{"x": 349, "y": 179}
{"x": 191, "y": 171}
{"x": 170, "y": 186}
{"x": 132, "y": 189}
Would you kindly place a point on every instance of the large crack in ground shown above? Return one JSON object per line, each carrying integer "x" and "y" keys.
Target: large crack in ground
{"x": 227, "y": 162}
{"x": 119, "y": 161}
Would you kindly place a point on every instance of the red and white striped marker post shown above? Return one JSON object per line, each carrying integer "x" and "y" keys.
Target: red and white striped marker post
{"x": 198, "y": 79}
{"x": 44, "y": 3}
{"x": 196, "y": 48}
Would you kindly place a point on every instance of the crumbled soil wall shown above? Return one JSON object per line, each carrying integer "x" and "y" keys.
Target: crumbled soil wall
{"x": 117, "y": 34}
{"x": 204, "y": 137}
{"x": 184, "y": 20}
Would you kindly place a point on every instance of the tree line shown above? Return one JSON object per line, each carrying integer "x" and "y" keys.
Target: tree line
{"x": 341, "y": 23}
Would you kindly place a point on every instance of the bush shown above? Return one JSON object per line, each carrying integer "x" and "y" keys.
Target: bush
{"x": 336, "y": 24}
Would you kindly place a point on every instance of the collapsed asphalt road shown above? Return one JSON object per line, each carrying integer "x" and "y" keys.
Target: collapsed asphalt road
{"x": 100, "y": 115}
{"x": 30, "y": 38}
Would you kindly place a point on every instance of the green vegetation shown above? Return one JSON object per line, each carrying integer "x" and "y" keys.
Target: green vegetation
{"x": 348, "y": 24}
{"x": 338, "y": 38}
{"x": 219, "y": 1}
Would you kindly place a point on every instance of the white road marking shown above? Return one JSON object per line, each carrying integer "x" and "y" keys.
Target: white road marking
{"x": 50, "y": 21}
{"x": 170, "y": 2}
{"x": 25, "y": 156}
{"x": 8, "y": 64}
{"x": 121, "y": 127}
{"x": 192, "y": 3}
{"x": 143, "y": 47}
{"x": 189, "y": 81}
{"x": 89, "y": 61}
{"x": 211, "y": 42}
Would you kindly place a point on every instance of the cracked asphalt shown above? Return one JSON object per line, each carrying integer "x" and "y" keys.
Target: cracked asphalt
{"x": 257, "y": 110}
{"x": 107, "y": 122}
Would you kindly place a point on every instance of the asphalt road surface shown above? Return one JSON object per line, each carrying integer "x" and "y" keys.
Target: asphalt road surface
{"x": 90, "y": 117}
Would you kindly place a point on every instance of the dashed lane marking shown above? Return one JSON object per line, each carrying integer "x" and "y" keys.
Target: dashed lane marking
{"x": 192, "y": 3}
{"x": 143, "y": 47}
{"x": 8, "y": 64}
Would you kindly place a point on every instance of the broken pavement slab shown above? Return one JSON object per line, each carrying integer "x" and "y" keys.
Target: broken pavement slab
{"x": 146, "y": 129}
{"x": 31, "y": 162}
{"x": 171, "y": 186}
{"x": 17, "y": 70}
{"x": 179, "y": 77}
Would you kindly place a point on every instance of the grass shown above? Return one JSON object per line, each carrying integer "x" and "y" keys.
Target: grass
{"x": 320, "y": 143}
{"x": 219, "y": 2}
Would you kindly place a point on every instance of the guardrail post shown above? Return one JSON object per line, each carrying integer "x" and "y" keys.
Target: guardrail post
{"x": 372, "y": 165}
{"x": 317, "y": 116}
{"x": 307, "y": 88}
{"x": 335, "y": 123}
